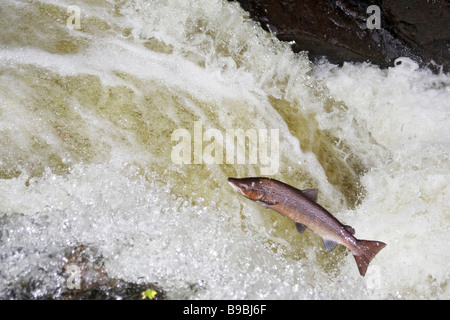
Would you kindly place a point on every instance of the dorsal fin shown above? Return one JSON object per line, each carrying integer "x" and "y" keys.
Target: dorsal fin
{"x": 311, "y": 194}
{"x": 350, "y": 229}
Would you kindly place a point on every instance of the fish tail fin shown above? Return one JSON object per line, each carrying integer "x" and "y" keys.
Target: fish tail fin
{"x": 368, "y": 250}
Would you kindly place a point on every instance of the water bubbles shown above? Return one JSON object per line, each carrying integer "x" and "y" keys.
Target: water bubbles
{"x": 406, "y": 64}
{"x": 108, "y": 182}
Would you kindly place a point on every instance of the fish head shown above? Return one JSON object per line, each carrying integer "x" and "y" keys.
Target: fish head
{"x": 252, "y": 188}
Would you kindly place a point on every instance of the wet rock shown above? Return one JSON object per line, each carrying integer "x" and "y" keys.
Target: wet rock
{"x": 339, "y": 31}
{"x": 423, "y": 25}
{"x": 82, "y": 277}
{"x": 88, "y": 279}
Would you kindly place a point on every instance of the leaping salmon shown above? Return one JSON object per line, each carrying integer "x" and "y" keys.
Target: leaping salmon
{"x": 302, "y": 207}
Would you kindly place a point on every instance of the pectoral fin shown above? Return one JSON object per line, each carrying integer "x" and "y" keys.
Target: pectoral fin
{"x": 329, "y": 244}
{"x": 266, "y": 203}
{"x": 300, "y": 227}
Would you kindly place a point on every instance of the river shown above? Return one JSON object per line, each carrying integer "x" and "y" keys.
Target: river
{"x": 114, "y": 125}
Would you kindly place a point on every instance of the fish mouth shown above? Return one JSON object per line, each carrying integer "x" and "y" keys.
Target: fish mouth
{"x": 234, "y": 184}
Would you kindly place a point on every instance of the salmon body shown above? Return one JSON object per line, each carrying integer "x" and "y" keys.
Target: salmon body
{"x": 302, "y": 207}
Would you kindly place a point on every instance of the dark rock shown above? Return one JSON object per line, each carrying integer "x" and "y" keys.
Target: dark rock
{"x": 95, "y": 283}
{"x": 338, "y": 29}
{"x": 423, "y": 25}
{"x": 82, "y": 277}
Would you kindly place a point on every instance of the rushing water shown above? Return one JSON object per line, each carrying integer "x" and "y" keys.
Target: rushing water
{"x": 87, "y": 120}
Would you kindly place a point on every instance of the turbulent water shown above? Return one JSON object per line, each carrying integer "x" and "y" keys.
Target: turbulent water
{"x": 91, "y": 96}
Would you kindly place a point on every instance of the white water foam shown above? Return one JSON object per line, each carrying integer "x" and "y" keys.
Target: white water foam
{"x": 86, "y": 157}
